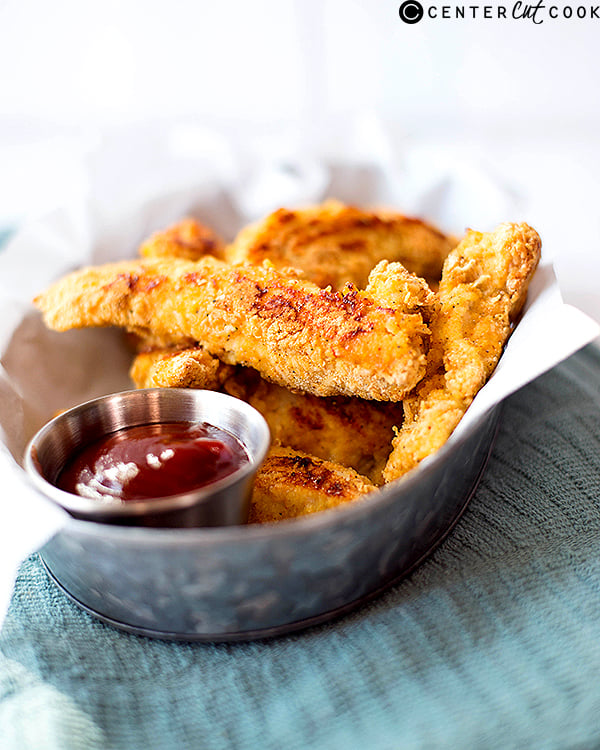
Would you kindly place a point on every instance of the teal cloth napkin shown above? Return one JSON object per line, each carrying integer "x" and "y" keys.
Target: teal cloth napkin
{"x": 494, "y": 642}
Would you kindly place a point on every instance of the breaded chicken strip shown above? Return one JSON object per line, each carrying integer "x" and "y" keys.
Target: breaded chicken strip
{"x": 482, "y": 291}
{"x": 291, "y": 331}
{"x": 291, "y": 484}
{"x": 347, "y": 431}
{"x": 188, "y": 239}
{"x": 335, "y": 244}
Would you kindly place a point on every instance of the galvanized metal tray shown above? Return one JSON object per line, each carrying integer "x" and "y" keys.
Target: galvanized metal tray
{"x": 246, "y": 582}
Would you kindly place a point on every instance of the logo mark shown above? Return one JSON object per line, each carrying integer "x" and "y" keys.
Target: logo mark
{"x": 411, "y": 11}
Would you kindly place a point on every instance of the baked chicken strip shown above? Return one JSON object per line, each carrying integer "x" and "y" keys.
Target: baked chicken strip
{"x": 291, "y": 484}
{"x": 291, "y": 331}
{"x": 482, "y": 291}
{"x": 347, "y": 431}
{"x": 334, "y": 244}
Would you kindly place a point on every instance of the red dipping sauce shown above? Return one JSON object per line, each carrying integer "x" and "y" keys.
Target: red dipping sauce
{"x": 152, "y": 461}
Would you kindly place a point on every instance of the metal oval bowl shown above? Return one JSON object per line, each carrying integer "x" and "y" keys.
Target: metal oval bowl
{"x": 244, "y": 582}
{"x": 221, "y": 503}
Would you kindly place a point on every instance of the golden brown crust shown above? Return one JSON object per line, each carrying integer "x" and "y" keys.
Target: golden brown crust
{"x": 334, "y": 244}
{"x": 178, "y": 368}
{"x": 295, "y": 334}
{"x": 187, "y": 239}
{"x": 483, "y": 288}
{"x": 391, "y": 285}
{"x": 347, "y": 431}
{"x": 291, "y": 484}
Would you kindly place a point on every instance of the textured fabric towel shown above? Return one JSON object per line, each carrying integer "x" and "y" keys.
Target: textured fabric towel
{"x": 494, "y": 642}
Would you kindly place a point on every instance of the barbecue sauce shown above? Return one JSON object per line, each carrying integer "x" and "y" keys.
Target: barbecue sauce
{"x": 152, "y": 461}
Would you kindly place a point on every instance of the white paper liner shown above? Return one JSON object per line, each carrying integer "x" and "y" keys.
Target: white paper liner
{"x": 43, "y": 371}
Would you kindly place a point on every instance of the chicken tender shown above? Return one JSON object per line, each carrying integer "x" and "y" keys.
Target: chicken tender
{"x": 291, "y": 484}
{"x": 348, "y": 431}
{"x": 291, "y": 331}
{"x": 188, "y": 239}
{"x": 482, "y": 291}
{"x": 334, "y": 244}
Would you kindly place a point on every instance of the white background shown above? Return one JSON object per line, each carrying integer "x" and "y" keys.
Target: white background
{"x": 516, "y": 101}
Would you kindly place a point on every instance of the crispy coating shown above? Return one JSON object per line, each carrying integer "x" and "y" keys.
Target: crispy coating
{"x": 188, "y": 239}
{"x": 178, "y": 368}
{"x": 482, "y": 291}
{"x": 291, "y": 484}
{"x": 347, "y": 431}
{"x": 335, "y": 244}
{"x": 291, "y": 331}
{"x": 391, "y": 285}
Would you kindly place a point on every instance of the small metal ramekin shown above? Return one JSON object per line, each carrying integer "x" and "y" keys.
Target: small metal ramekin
{"x": 222, "y": 503}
